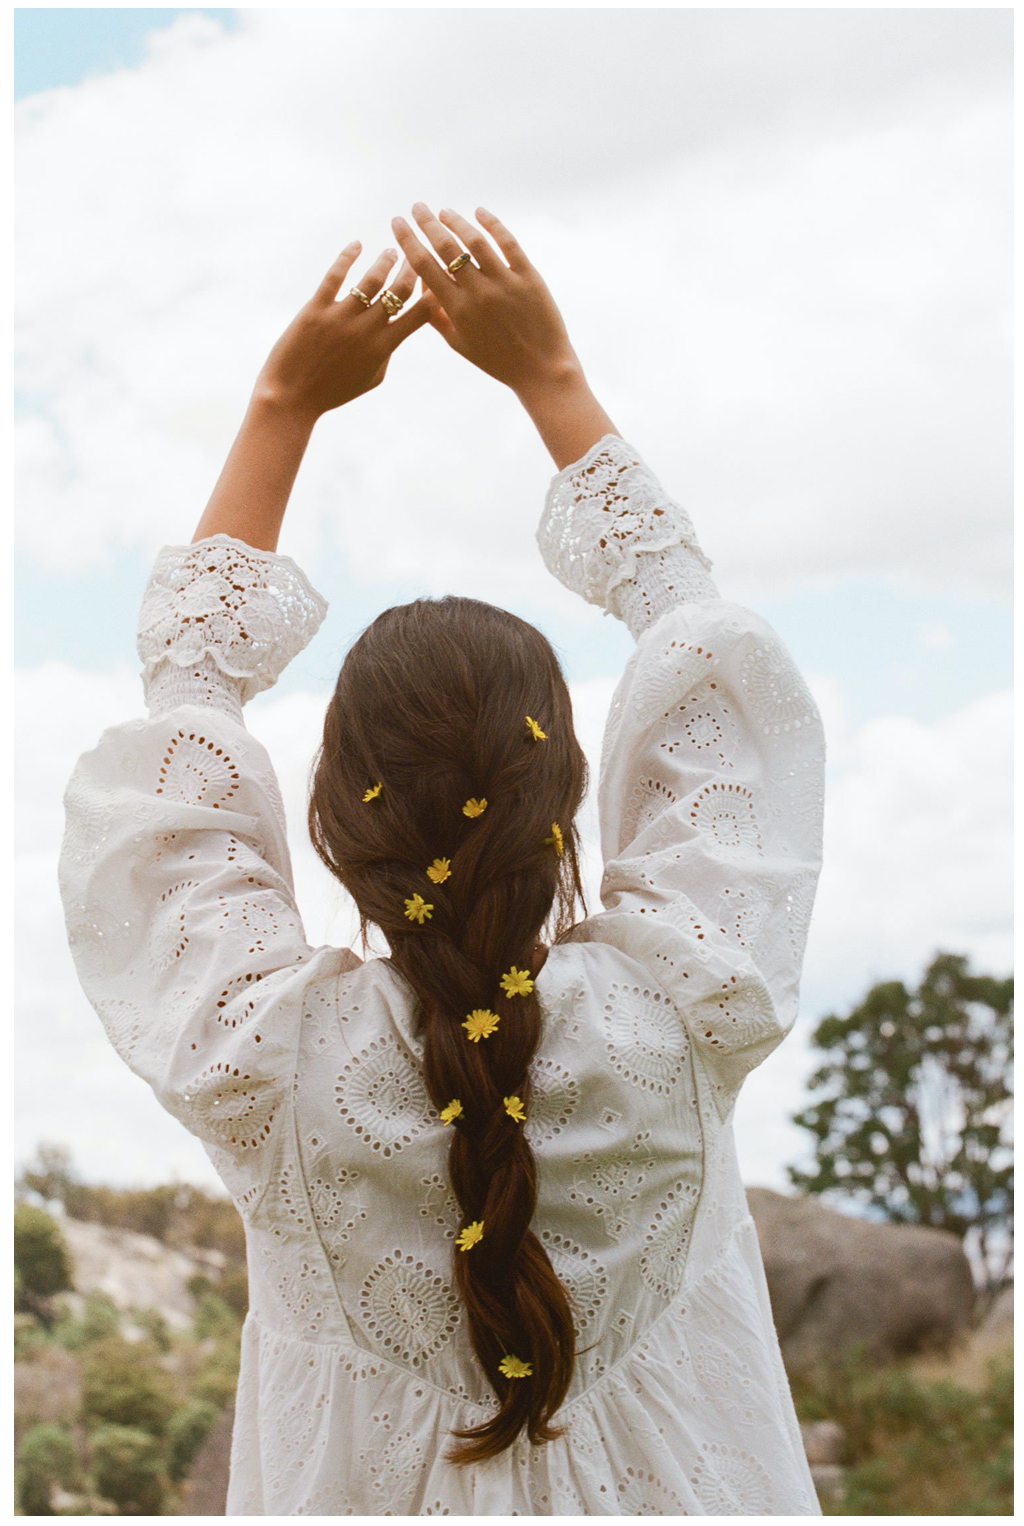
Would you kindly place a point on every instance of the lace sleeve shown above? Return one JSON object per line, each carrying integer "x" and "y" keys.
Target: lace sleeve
{"x": 610, "y": 533}
{"x": 220, "y": 621}
{"x": 712, "y": 771}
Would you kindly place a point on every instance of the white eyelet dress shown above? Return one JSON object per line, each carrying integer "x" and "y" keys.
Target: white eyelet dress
{"x": 300, "y": 1068}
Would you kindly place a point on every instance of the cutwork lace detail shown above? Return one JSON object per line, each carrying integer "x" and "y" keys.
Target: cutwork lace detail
{"x": 611, "y": 534}
{"x": 219, "y": 601}
{"x": 301, "y": 1070}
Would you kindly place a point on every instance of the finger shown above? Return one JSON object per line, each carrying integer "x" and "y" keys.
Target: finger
{"x": 446, "y": 244}
{"x": 480, "y": 248}
{"x": 409, "y": 321}
{"x": 372, "y": 282}
{"x": 328, "y": 288}
{"x": 433, "y": 275}
{"x": 508, "y": 245}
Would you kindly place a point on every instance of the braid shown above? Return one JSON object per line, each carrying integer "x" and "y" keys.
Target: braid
{"x": 459, "y": 712}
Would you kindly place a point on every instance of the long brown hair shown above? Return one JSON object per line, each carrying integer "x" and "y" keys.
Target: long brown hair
{"x": 432, "y": 703}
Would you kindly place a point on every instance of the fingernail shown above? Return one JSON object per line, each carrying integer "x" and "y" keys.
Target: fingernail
{"x": 392, "y": 254}
{"x": 445, "y": 212}
{"x": 420, "y": 206}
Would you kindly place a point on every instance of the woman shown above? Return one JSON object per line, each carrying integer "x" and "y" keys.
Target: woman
{"x": 500, "y": 1258}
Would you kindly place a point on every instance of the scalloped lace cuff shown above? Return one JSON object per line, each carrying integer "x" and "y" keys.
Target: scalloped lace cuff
{"x": 611, "y": 533}
{"x": 222, "y": 608}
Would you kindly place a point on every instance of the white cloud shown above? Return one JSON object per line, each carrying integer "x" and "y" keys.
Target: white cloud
{"x": 780, "y": 241}
{"x": 917, "y": 849}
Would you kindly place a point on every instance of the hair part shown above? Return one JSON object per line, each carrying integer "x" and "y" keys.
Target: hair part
{"x": 432, "y": 701}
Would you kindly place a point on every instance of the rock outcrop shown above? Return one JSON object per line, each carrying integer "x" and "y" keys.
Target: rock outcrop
{"x": 135, "y": 1271}
{"x": 835, "y": 1280}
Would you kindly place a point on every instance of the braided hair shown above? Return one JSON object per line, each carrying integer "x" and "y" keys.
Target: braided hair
{"x": 449, "y": 746}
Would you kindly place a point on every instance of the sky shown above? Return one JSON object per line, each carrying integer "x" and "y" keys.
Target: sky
{"x": 780, "y": 240}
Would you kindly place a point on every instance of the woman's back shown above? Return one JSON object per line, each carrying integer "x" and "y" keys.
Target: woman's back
{"x": 302, "y": 1070}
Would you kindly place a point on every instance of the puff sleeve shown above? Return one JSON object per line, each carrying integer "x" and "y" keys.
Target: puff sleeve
{"x": 174, "y": 869}
{"x": 711, "y": 783}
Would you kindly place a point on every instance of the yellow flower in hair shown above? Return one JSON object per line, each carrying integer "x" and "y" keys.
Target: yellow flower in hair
{"x": 417, "y": 909}
{"x": 535, "y": 731}
{"x": 514, "y": 1109}
{"x": 439, "y": 870}
{"x": 453, "y": 1110}
{"x": 373, "y": 792}
{"x": 517, "y": 982}
{"x": 470, "y": 1235}
{"x": 480, "y": 1024}
{"x": 513, "y": 1367}
{"x": 474, "y": 807}
{"x": 556, "y": 839}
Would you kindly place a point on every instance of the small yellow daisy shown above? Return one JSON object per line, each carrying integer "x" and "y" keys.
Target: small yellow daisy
{"x": 556, "y": 839}
{"x": 514, "y": 1108}
{"x": 480, "y": 1024}
{"x": 453, "y": 1110}
{"x": 470, "y": 1235}
{"x": 517, "y": 982}
{"x": 439, "y": 870}
{"x": 513, "y": 1367}
{"x": 474, "y": 807}
{"x": 373, "y": 792}
{"x": 535, "y": 731}
{"x": 417, "y": 909}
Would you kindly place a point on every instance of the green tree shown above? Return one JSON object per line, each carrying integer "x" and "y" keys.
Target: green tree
{"x": 45, "y": 1457}
{"x": 188, "y": 1429}
{"x": 127, "y": 1467}
{"x": 911, "y": 1107}
{"x": 123, "y": 1383}
{"x": 41, "y": 1259}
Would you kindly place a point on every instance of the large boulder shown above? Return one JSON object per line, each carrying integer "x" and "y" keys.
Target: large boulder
{"x": 835, "y": 1280}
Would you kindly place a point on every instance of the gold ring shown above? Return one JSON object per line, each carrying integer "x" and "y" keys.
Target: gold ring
{"x": 355, "y": 292}
{"x": 391, "y": 303}
{"x": 458, "y": 262}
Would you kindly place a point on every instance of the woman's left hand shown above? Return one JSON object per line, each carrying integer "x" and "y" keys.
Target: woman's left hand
{"x": 333, "y": 351}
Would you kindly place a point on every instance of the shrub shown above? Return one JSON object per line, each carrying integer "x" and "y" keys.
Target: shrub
{"x": 41, "y": 1259}
{"x": 46, "y": 1457}
{"x": 233, "y": 1287}
{"x": 99, "y": 1319}
{"x": 213, "y": 1317}
{"x": 917, "y": 1446}
{"x": 127, "y": 1469}
{"x": 155, "y": 1326}
{"x": 30, "y": 1339}
{"x": 123, "y": 1384}
{"x": 217, "y": 1378}
{"x": 188, "y": 1429}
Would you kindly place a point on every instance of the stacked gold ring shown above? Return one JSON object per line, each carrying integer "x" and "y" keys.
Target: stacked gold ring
{"x": 391, "y": 303}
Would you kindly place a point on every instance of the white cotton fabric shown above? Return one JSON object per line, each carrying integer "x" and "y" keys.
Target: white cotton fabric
{"x": 300, "y": 1069}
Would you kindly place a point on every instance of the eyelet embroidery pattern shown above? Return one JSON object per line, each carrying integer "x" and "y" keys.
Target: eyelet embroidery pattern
{"x": 196, "y": 770}
{"x": 645, "y": 1042}
{"x": 726, "y": 811}
{"x": 408, "y": 1308}
{"x": 709, "y": 721}
{"x": 383, "y": 1099}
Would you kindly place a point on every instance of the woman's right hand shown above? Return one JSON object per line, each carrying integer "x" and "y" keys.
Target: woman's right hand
{"x": 498, "y": 315}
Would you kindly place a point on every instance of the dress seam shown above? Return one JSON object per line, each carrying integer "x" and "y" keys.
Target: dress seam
{"x": 253, "y": 1318}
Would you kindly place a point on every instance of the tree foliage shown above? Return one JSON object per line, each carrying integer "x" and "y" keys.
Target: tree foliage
{"x": 45, "y": 1457}
{"x": 127, "y": 1467}
{"x": 123, "y": 1383}
{"x": 41, "y": 1259}
{"x": 911, "y": 1107}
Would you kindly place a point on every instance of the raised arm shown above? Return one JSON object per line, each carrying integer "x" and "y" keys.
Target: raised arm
{"x": 499, "y": 314}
